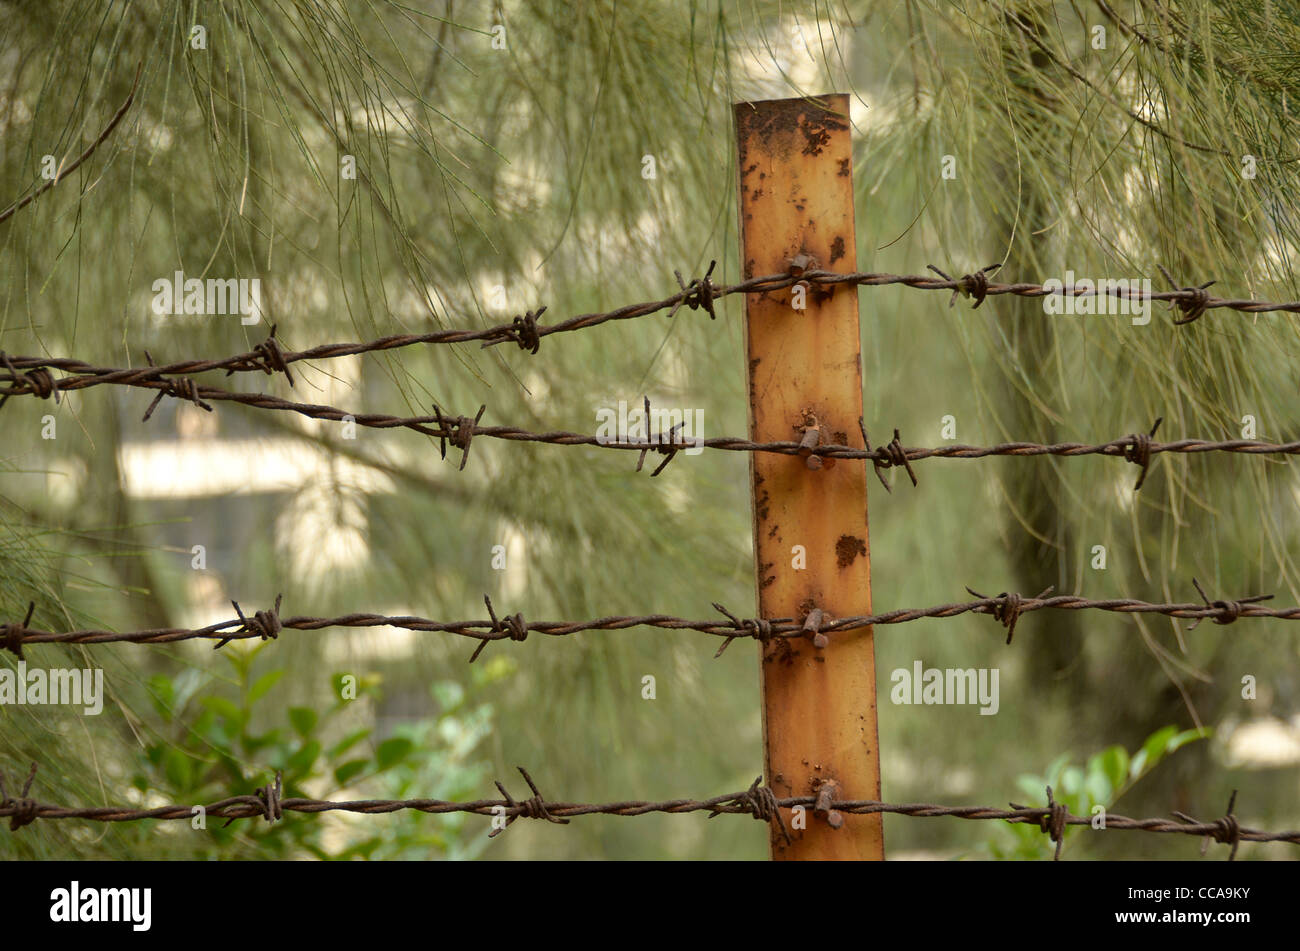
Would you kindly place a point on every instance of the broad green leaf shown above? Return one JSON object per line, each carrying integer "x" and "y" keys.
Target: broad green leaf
{"x": 392, "y": 751}
{"x": 163, "y": 695}
{"x": 1097, "y": 787}
{"x": 177, "y": 768}
{"x": 1188, "y": 736}
{"x": 253, "y": 743}
{"x": 1072, "y": 781}
{"x": 345, "y": 744}
{"x": 263, "y": 684}
{"x": 303, "y": 720}
{"x": 1153, "y": 750}
{"x": 224, "y": 707}
{"x": 301, "y": 761}
{"x": 349, "y": 769}
{"x": 1054, "y": 770}
{"x": 1114, "y": 764}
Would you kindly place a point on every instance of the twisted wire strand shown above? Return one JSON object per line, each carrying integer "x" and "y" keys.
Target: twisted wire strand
{"x": 1192, "y": 301}
{"x": 1005, "y": 608}
{"x": 758, "y": 801}
{"x": 460, "y": 430}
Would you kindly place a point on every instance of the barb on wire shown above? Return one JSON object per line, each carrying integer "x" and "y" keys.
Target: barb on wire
{"x": 659, "y": 442}
{"x": 531, "y": 808}
{"x": 1226, "y": 830}
{"x": 758, "y": 801}
{"x": 1007, "y": 608}
{"x": 513, "y": 627}
{"x": 21, "y": 811}
{"x": 182, "y": 388}
{"x": 887, "y": 456}
{"x": 523, "y": 331}
{"x": 459, "y": 431}
{"x": 39, "y": 382}
{"x": 1194, "y": 305}
{"x": 13, "y": 634}
{"x": 268, "y": 797}
{"x": 263, "y": 624}
{"x": 760, "y": 629}
{"x": 974, "y": 285}
{"x": 268, "y": 356}
{"x": 1052, "y": 822}
{"x": 699, "y": 293}
{"x": 761, "y": 803}
{"x": 1138, "y": 451}
{"x": 1228, "y": 611}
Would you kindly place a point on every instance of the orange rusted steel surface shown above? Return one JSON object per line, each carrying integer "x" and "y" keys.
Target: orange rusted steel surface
{"x": 805, "y": 383}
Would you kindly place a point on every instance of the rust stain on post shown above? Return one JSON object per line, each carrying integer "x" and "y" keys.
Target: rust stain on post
{"x": 805, "y": 373}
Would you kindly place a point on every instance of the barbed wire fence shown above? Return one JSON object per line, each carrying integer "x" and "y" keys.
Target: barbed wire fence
{"x": 35, "y": 376}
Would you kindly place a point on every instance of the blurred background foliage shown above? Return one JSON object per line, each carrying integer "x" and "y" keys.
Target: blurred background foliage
{"x": 499, "y": 154}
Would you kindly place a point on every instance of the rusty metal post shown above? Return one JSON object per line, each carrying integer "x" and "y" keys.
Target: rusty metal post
{"x": 810, "y": 520}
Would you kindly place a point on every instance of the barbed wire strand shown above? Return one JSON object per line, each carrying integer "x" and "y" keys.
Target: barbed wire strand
{"x": 1193, "y": 301}
{"x": 1006, "y": 608}
{"x": 757, "y": 801}
{"x": 459, "y": 431}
